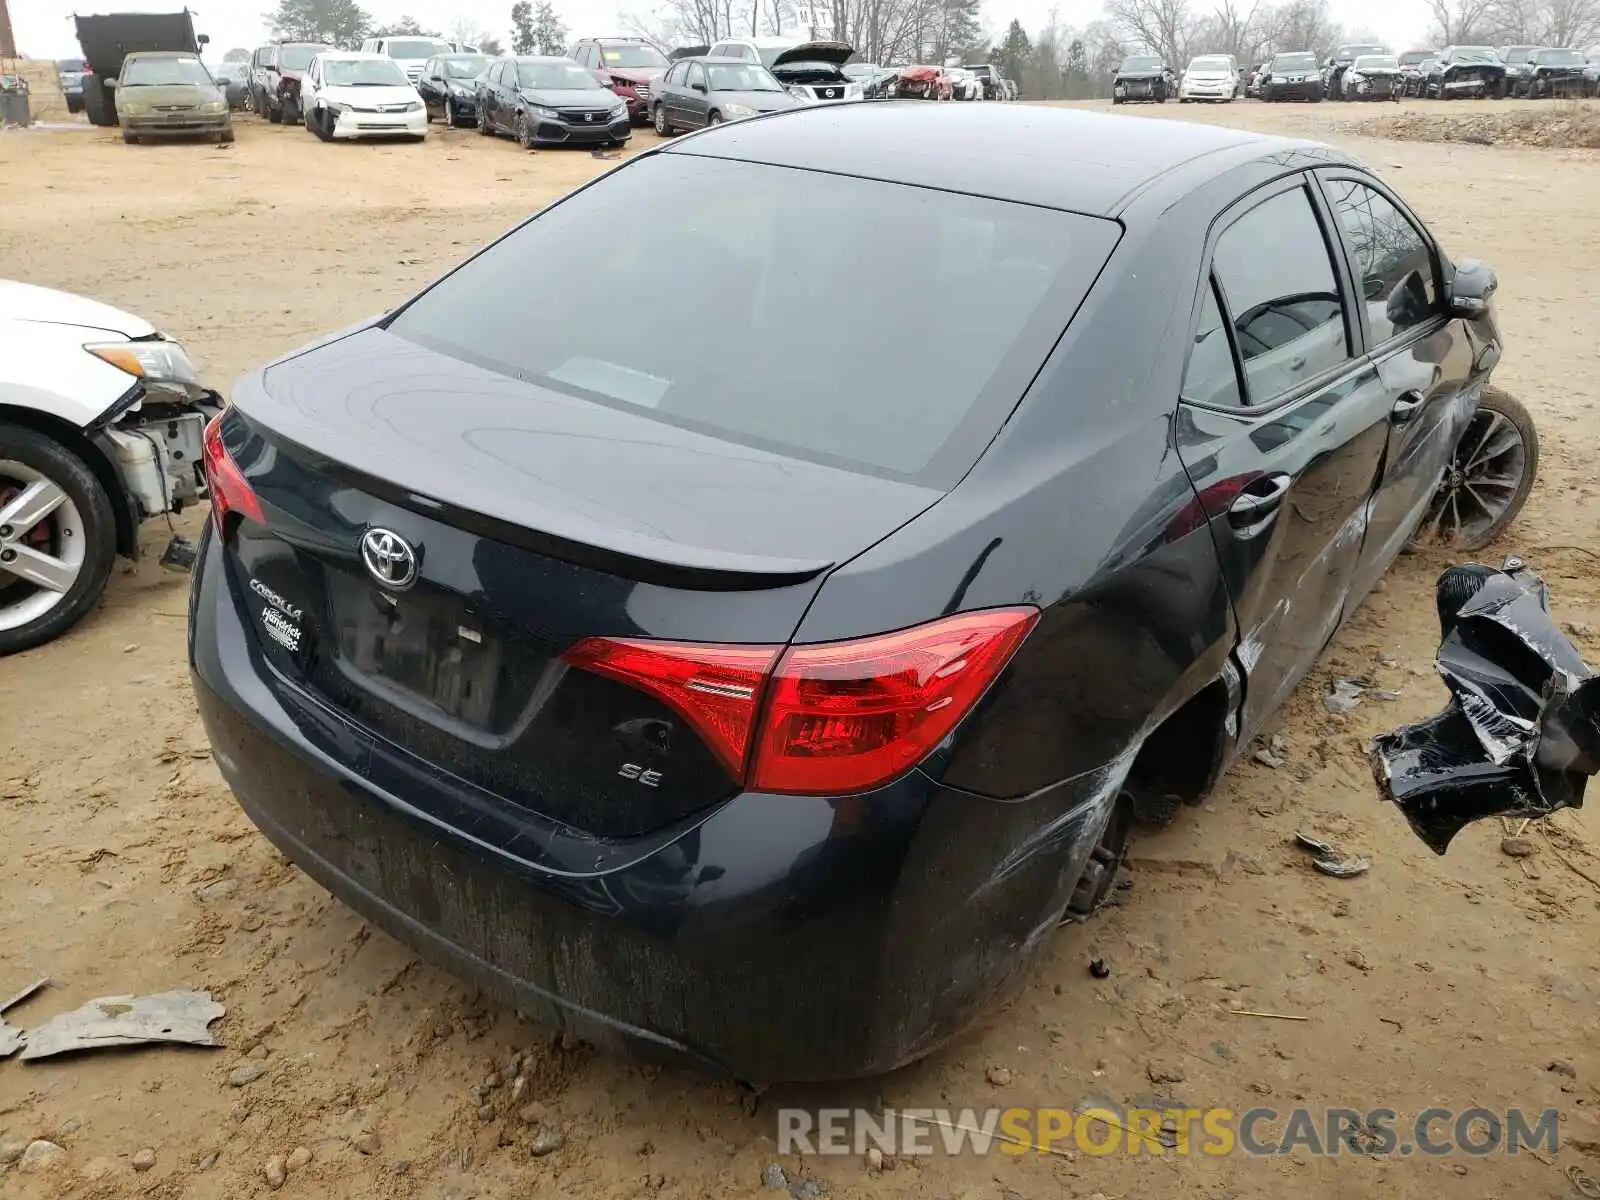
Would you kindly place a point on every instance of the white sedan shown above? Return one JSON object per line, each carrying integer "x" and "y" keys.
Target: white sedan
{"x": 101, "y": 426}
{"x": 1213, "y": 77}
{"x": 356, "y": 95}
{"x": 964, "y": 85}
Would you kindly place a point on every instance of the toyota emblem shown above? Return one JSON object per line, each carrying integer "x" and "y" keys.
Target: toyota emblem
{"x": 389, "y": 559}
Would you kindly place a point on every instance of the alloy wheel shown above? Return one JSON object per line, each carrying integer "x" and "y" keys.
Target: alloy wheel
{"x": 1481, "y": 483}
{"x": 43, "y": 543}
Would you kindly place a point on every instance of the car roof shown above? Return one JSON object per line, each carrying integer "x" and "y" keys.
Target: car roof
{"x": 162, "y": 54}
{"x": 1062, "y": 158}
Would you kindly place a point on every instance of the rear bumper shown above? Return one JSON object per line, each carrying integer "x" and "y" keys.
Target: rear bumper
{"x": 772, "y": 938}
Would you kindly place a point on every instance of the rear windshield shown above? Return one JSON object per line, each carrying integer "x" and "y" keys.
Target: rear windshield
{"x": 298, "y": 58}
{"x": 414, "y": 48}
{"x": 69, "y": 64}
{"x": 752, "y": 320}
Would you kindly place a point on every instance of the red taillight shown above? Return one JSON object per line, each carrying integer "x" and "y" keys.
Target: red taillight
{"x": 715, "y": 688}
{"x": 835, "y": 717}
{"x": 848, "y": 716}
{"x": 228, "y": 488}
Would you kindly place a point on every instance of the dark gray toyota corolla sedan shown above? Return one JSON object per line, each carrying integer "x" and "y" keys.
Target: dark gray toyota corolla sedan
{"x": 760, "y": 675}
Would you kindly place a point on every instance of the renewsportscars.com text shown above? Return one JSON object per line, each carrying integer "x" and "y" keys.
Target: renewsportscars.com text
{"x": 1212, "y": 1132}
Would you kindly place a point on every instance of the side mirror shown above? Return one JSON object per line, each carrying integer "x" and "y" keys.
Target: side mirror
{"x": 203, "y": 39}
{"x": 1372, "y": 286}
{"x": 1472, "y": 284}
{"x": 699, "y": 87}
{"x": 111, "y": 83}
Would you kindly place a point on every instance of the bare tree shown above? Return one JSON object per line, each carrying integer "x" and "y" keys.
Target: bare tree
{"x": 1165, "y": 27}
{"x": 1457, "y": 22}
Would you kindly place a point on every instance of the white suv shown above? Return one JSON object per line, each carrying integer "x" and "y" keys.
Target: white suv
{"x": 809, "y": 71}
{"x": 410, "y": 52}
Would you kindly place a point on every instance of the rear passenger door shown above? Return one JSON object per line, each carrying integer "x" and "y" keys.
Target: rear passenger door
{"x": 1424, "y": 357}
{"x": 1282, "y": 429}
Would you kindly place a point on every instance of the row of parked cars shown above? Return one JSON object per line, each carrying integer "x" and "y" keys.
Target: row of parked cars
{"x": 1373, "y": 72}
{"x": 1365, "y": 72}
{"x": 595, "y": 94}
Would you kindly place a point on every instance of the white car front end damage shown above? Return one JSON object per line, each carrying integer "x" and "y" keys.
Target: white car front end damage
{"x": 361, "y": 112}
{"x": 102, "y": 423}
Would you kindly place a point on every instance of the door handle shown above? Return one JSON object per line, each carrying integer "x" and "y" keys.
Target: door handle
{"x": 1407, "y": 407}
{"x": 1259, "y": 500}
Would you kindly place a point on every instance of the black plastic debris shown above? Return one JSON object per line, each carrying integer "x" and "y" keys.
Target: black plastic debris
{"x": 1521, "y": 734}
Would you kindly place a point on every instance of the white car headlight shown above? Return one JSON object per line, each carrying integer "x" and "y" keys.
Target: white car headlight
{"x": 540, "y": 110}
{"x": 154, "y": 361}
{"x": 738, "y": 110}
{"x": 621, "y": 111}
{"x": 798, "y": 92}
{"x": 414, "y": 106}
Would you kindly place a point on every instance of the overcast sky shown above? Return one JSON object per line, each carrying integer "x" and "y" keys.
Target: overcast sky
{"x": 44, "y": 28}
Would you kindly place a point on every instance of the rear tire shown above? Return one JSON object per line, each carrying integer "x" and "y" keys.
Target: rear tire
{"x": 67, "y": 471}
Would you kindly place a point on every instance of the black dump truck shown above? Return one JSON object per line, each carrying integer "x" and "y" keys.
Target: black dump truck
{"x": 108, "y": 39}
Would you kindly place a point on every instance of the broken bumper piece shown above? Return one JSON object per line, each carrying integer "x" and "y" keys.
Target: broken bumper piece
{"x": 1521, "y": 734}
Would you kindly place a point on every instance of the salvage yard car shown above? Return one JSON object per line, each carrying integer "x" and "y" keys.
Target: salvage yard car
{"x": 1464, "y": 72}
{"x": 349, "y": 94}
{"x": 1555, "y": 72}
{"x": 449, "y": 88}
{"x": 1213, "y": 77}
{"x": 1411, "y": 70}
{"x": 164, "y": 93}
{"x": 1373, "y": 77}
{"x": 101, "y": 420}
{"x": 546, "y": 101}
{"x": 812, "y": 71}
{"x": 708, "y": 91}
{"x": 628, "y": 66}
{"x": 1143, "y": 77}
{"x": 774, "y": 718}
{"x": 1292, "y": 76}
{"x": 69, "y": 73}
{"x": 276, "y": 75}
{"x": 1333, "y": 71}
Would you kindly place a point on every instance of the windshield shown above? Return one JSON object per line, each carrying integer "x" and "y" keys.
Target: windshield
{"x": 556, "y": 76}
{"x": 1295, "y": 62}
{"x": 363, "y": 72}
{"x": 634, "y": 57}
{"x": 1518, "y": 54}
{"x": 1211, "y": 62}
{"x": 157, "y": 72}
{"x": 1473, "y": 54}
{"x": 298, "y": 58}
{"x": 772, "y": 259}
{"x": 463, "y": 68}
{"x": 747, "y": 77}
{"x": 414, "y": 48}
{"x": 1141, "y": 63}
{"x": 1559, "y": 58}
{"x": 1377, "y": 62}
{"x": 1358, "y": 51}
{"x": 1412, "y": 57}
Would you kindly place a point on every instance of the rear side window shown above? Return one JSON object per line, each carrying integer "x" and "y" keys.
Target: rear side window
{"x": 1391, "y": 262}
{"x": 1282, "y": 295}
{"x": 759, "y": 327}
{"x": 1212, "y": 376}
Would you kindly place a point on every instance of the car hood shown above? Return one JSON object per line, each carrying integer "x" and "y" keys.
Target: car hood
{"x": 548, "y": 461}
{"x": 1208, "y": 76}
{"x": 760, "y": 101}
{"x": 370, "y": 97}
{"x": 596, "y": 97}
{"x": 1150, "y": 74}
{"x": 837, "y": 53}
{"x": 25, "y": 302}
{"x": 168, "y": 93}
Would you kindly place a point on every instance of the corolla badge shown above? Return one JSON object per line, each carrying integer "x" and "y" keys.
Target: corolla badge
{"x": 389, "y": 559}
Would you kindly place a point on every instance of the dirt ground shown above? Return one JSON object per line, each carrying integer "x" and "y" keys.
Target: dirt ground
{"x": 128, "y": 868}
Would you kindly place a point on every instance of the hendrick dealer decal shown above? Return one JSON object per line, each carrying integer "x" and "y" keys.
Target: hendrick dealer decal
{"x": 280, "y": 620}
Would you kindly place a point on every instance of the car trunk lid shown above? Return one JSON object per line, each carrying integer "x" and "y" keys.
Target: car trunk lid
{"x": 534, "y": 521}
